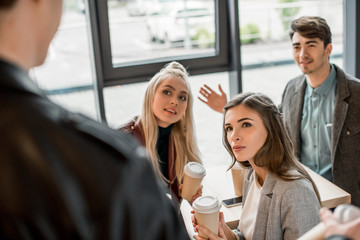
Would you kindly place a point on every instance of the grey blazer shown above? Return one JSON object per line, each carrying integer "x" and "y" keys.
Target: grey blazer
{"x": 287, "y": 209}
{"x": 345, "y": 152}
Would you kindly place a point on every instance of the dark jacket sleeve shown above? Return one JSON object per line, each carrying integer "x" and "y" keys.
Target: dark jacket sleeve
{"x": 133, "y": 128}
{"x": 64, "y": 176}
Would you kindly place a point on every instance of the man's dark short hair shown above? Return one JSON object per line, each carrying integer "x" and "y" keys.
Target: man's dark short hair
{"x": 6, "y": 4}
{"x": 311, "y": 27}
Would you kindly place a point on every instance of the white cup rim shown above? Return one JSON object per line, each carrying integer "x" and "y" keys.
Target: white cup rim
{"x": 195, "y": 170}
{"x": 206, "y": 204}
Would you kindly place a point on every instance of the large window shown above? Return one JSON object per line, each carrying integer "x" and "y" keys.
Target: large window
{"x": 124, "y": 53}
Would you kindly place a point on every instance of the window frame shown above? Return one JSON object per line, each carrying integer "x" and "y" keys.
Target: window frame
{"x": 352, "y": 37}
{"x": 140, "y": 71}
{"x": 227, "y": 56}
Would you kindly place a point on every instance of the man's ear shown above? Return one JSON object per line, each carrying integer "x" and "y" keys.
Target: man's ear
{"x": 328, "y": 49}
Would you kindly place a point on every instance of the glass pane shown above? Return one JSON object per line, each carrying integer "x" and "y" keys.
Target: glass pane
{"x": 66, "y": 74}
{"x": 266, "y": 52}
{"x": 151, "y": 29}
{"x": 79, "y": 101}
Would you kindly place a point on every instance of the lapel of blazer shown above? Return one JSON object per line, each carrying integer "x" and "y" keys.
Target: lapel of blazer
{"x": 297, "y": 102}
{"x": 340, "y": 110}
{"x": 262, "y": 218}
{"x": 247, "y": 182}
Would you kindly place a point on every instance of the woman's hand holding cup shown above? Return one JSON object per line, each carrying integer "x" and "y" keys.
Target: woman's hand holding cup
{"x": 224, "y": 231}
{"x": 206, "y": 214}
{"x": 198, "y": 194}
{"x": 210, "y": 235}
{"x": 191, "y": 188}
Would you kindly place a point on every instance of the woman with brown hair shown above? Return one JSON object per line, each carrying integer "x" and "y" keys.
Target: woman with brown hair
{"x": 280, "y": 200}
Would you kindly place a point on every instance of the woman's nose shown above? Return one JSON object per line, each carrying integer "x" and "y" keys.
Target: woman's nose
{"x": 174, "y": 101}
{"x": 235, "y": 136}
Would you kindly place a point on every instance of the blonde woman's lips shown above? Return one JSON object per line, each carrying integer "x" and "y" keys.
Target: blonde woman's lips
{"x": 170, "y": 110}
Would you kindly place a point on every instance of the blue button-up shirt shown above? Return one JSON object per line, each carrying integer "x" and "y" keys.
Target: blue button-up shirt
{"x": 316, "y": 125}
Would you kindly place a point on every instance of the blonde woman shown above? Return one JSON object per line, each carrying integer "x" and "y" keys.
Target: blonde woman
{"x": 165, "y": 126}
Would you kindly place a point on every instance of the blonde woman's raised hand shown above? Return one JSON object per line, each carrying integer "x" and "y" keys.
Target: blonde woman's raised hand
{"x": 212, "y": 99}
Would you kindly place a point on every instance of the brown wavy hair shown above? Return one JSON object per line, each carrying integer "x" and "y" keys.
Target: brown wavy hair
{"x": 277, "y": 153}
{"x": 311, "y": 27}
{"x": 7, "y": 4}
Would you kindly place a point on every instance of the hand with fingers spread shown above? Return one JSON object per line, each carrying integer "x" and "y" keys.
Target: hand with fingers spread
{"x": 333, "y": 227}
{"x": 212, "y": 99}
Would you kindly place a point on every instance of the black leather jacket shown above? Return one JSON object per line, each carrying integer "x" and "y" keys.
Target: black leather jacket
{"x": 64, "y": 176}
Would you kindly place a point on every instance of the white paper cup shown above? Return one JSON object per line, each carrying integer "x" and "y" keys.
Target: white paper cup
{"x": 194, "y": 173}
{"x": 238, "y": 174}
{"x": 206, "y": 210}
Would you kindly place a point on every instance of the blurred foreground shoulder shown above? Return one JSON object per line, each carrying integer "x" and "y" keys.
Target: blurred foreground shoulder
{"x": 65, "y": 176}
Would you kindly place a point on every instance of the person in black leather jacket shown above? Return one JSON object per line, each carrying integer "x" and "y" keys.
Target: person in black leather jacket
{"x": 62, "y": 175}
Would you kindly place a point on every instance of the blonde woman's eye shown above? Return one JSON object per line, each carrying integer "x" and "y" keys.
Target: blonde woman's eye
{"x": 183, "y": 98}
{"x": 166, "y": 92}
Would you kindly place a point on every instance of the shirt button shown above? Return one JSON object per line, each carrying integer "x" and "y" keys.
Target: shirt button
{"x": 348, "y": 132}
{"x": 314, "y": 126}
{"x": 314, "y": 146}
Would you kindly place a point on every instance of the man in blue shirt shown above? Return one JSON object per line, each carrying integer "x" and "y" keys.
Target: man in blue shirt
{"x": 321, "y": 108}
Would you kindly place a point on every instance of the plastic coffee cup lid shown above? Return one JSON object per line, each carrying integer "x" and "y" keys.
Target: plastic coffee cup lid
{"x": 195, "y": 170}
{"x": 206, "y": 204}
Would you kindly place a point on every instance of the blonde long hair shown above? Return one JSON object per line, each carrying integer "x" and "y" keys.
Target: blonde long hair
{"x": 182, "y": 132}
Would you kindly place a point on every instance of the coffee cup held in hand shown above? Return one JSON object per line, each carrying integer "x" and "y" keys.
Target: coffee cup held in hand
{"x": 238, "y": 174}
{"x": 206, "y": 210}
{"x": 194, "y": 173}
